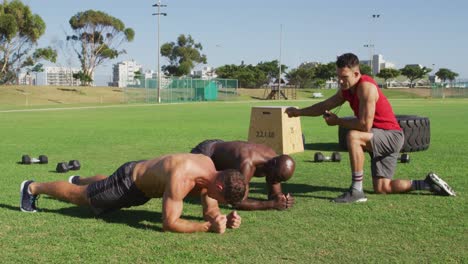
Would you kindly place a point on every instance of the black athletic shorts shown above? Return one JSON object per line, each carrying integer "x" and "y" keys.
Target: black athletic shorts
{"x": 205, "y": 147}
{"x": 116, "y": 191}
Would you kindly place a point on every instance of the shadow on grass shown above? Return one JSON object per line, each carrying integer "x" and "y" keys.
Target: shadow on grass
{"x": 323, "y": 146}
{"x": 131, "y": 217}
{"x": 297, "y": 189}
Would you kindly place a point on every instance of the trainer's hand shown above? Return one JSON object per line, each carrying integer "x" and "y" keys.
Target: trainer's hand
{"x": 292, "y": 112}
{"x": 234, "y": 220}
{"x": 218, "y": 225}
{"x": 330, "y": 118}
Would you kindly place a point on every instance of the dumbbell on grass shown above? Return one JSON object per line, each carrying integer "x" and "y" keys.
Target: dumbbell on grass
{"x": 319, "y": 157}
{"x": 72, "y": 165}
{"x": 26, "y": 159}
{"x": 404, "y": 158}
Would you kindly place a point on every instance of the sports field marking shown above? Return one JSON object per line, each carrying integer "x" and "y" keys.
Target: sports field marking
{"x": 162, "y": 104}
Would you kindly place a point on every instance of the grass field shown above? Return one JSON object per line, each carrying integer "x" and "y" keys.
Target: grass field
{"x": 406, "y": 228}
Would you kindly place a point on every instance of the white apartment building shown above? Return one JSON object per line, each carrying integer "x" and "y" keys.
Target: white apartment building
{"x": 206, "y": 72}
{"x": 123, "y": 73}
{"x": 61, "y": 76}
{"x": 378, "y": 63}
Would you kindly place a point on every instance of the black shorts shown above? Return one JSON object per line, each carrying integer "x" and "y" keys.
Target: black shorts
{"x": 116, "y": 191}
{"x": 205, "y": 147}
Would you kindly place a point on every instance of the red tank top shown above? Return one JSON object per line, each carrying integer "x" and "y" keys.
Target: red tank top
{"x": 384, "y": 118}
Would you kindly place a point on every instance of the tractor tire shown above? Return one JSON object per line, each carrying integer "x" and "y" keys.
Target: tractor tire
{"x": 417, "y": 131}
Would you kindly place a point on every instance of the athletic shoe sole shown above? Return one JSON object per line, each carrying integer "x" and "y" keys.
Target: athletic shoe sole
{"x": 21, "y": 198}
{"x": 70, "y": 180}
{"x": 360, "y": 200}
{"x": 442, "y": 184}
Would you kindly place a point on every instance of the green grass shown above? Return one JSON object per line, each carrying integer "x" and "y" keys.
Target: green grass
{"x": 415, "y": 227}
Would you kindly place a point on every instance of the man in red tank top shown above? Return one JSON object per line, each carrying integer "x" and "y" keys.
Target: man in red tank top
{"x": 374, "y": 129}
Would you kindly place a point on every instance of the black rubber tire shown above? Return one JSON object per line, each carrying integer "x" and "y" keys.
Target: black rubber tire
{"x": 417, "y": 132}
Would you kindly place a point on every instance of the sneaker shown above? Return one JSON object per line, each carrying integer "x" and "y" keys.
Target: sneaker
{"x": 74, "y": 179}
{"x": 27, "y": 201}
{"x": 439, "y": 186}
{"x": 351, "y": 196}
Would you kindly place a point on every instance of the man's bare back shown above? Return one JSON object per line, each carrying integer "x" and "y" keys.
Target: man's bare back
{"x": 153, "y": 176}
{"x": 240, "y": 154}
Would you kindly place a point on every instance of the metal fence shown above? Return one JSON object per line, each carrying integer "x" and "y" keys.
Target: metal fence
{"x": 174, "y": 90}
{"x": 457, "y": 89}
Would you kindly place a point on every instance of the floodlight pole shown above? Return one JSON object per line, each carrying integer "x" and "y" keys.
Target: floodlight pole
{"x": 279, "y": 63}
{"x": 372, "y": 44}
{"x": 371, "y": 55}
{"x": 159, "y": 14}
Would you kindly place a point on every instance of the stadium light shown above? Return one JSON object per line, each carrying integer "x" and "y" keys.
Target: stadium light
{"x": 159, "y": 14}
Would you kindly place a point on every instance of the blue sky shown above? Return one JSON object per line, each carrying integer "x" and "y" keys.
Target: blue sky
{"x": 431, "y": 33}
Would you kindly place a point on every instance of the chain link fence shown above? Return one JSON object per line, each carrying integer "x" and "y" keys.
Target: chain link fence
{"x": 175, "y": 90}
{"x": 456, "y": 89}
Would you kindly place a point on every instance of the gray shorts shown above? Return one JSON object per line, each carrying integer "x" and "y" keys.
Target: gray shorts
{"x": 386, "y": 145}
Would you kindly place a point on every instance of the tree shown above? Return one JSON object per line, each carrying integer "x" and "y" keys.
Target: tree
{"x": 97, "y": 37}
{"x": 20, "y": 30}
{"x": 365, "y": 69}
{"x": 446, "y": 74}
{"x": 271, "y": 69}
{"x": 414, "y": 72}
{"x": 138, "y": 77}
{"x": 248, "y": 76}
{"x": 182, "y": 55}
{"x": 325, "y": 71}
{"x": 302, "y": 76}
{"x": 388, "y": 73}
{"x": 227, "y": 71}
{"x": 83, "y": 77}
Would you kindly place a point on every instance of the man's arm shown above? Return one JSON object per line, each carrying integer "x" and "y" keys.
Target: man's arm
{"x": 276, "y": 199}
{"x": 368, "y": 97}
{"x": 212, "y": 214}
{"x": 318, "y": 108}
{"x": 172, "y": 210}
{"x": 174, "y": 194}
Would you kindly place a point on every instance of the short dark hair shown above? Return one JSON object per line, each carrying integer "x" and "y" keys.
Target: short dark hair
{"x": 234, "y": 186}
{"x": 347, "y": 60}
{"x": 280, "y": 168}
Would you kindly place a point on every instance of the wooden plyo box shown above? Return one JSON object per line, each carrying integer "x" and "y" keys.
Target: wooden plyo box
{"x": 269, "y": 125}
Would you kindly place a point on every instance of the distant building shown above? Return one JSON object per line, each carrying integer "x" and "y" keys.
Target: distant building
{"x": 123, "y": 73}
{"x": 310, "y": 64}
{"x": 378, "y": 63}
{"x": 60, "y": 76}
{"x": 434, "y": 79}
{"x": 414, "y": 65}
{"x": 25, "y": 78}
{"x": 206, "y": 72}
